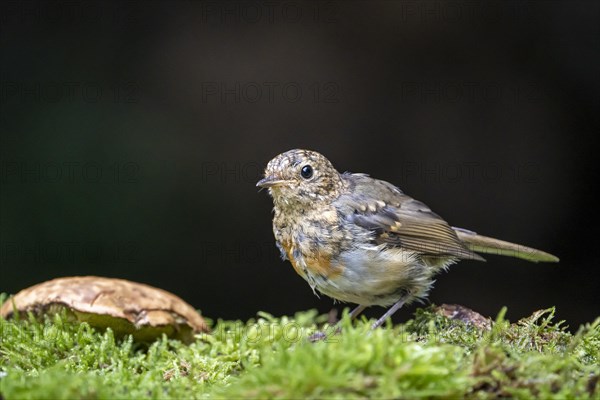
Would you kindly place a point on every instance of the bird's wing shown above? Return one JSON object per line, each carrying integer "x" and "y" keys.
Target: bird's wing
{"x": 398, "y": 220}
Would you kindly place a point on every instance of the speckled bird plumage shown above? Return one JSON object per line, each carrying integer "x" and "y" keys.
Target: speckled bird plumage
{"x": 362, "y": 240}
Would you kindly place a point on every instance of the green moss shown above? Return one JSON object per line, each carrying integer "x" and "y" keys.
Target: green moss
{"x": 428, "y": 356}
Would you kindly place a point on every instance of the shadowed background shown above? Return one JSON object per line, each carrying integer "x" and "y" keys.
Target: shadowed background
{"x": 133, "y": 133}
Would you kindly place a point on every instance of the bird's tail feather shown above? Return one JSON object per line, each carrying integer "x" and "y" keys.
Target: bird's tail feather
{"x": 488, "y": 245}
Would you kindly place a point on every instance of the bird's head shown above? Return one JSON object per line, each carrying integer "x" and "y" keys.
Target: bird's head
{"x": 301, "y": 178}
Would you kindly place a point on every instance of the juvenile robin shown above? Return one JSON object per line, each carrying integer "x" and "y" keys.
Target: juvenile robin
{"x": 362, "y": 240}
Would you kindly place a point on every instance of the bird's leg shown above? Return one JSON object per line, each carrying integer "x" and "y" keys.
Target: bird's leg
{"x": 398, "y": 305}
{"x": 356, "y": 312}
{"x": 337, "y": 328}
{"x": 353, "y": 314}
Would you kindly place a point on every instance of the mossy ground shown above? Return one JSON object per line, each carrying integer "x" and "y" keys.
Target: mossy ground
{"x": 428, "y": 356}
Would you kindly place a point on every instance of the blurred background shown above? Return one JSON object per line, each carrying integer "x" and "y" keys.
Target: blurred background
{"x": 133, "y": 133}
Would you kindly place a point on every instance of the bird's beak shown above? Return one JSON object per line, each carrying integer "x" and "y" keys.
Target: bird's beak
{"x": 271, "y": 181}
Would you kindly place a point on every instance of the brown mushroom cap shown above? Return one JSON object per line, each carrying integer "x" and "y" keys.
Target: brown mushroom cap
{"x": 126, "y": 307}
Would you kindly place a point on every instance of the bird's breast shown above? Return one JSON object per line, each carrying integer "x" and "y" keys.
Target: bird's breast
{"x": 312, "y": 242}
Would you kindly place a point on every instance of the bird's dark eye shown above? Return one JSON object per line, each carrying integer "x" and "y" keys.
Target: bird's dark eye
{"x": 306, "y": 172}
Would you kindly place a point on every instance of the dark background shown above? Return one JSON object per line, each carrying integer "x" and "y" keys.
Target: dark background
{"x": 133, "y": 134}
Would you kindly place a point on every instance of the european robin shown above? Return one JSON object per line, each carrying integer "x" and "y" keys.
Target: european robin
{"x": 362, "y": 240}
